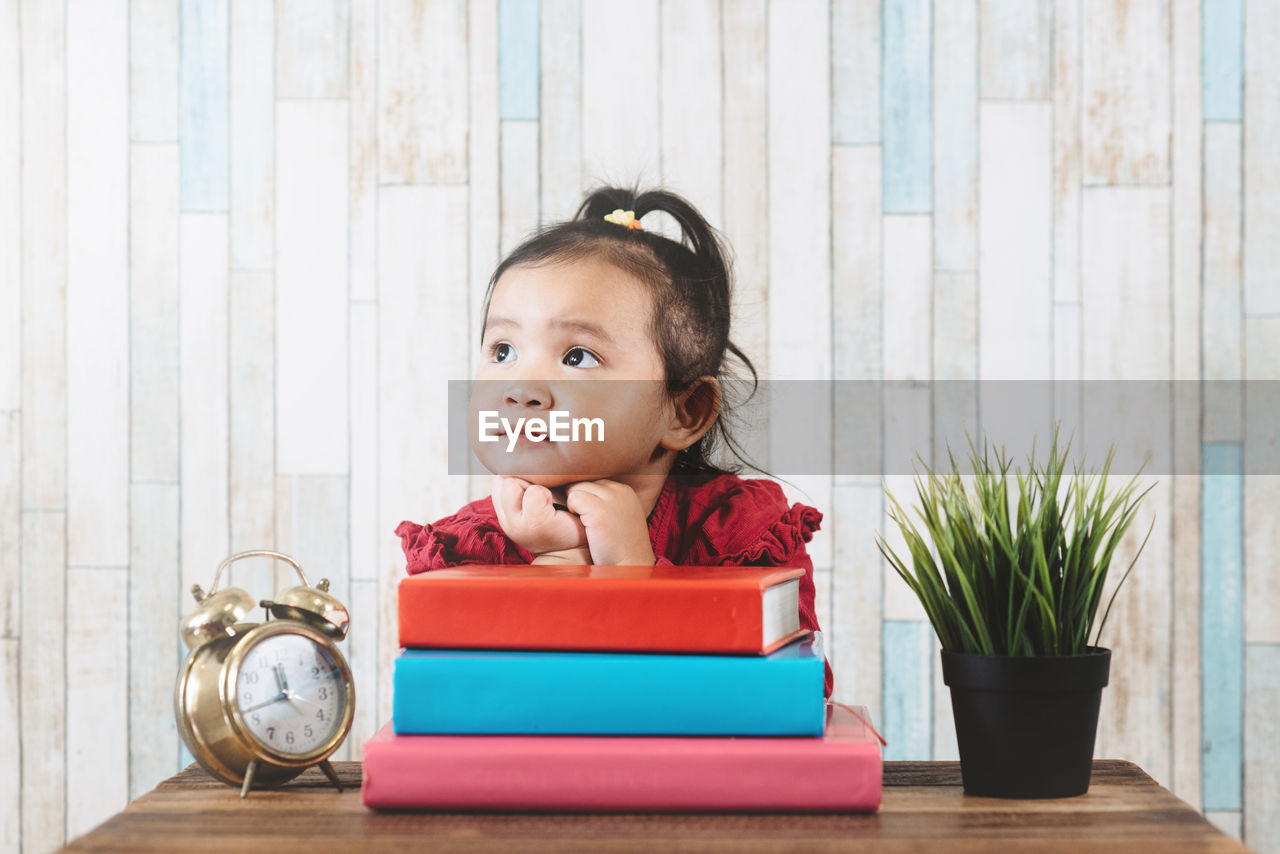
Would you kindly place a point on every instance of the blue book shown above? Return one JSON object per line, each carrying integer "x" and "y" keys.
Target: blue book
{"x": 491, "y": 692}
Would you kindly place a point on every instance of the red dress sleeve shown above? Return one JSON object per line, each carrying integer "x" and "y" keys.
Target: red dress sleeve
{"x": 735, "y": 522}
{"x": 472, "y": 535}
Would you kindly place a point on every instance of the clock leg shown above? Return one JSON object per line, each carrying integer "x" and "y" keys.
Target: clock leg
{"x": 248, "y": 778}
{"x": 331, "y": 774}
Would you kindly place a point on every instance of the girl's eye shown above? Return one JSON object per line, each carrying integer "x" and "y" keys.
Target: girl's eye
{"x": 503, "y": 352}
{"x": 579, "y": 357}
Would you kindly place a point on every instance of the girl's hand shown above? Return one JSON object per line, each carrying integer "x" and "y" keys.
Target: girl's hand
{"x": 527, "y": 515}
{"x": 616, "y": 528}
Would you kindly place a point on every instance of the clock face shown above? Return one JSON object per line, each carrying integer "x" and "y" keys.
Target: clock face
{"x": 291, "y": 694}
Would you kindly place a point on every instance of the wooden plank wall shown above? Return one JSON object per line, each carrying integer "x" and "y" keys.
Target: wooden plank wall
{"x": 244, "y": 245}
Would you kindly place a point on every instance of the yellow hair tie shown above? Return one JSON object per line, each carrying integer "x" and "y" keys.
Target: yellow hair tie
{"x": 626, "y": 219}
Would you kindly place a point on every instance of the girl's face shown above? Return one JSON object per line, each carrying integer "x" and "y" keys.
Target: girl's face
{"x": 572, "y": 338}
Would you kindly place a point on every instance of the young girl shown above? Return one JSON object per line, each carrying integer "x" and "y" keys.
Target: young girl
{"x": 600, "y": 318}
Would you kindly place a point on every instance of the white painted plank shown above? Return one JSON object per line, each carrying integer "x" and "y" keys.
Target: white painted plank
{"x": 519, "y": 204}
{"x": 1187, "y": 222}
{"x": 311, "y": 527}
{"x": 857, "y": 334}
{"x": 1066, "y": 149}
{"x": 799, "y": 127}
{"x": 311, "y": 288}
{"x": 907, "y": 432}
{"x": 945, "y": 747}
{"x": 560, "y": 110}
{"x": 1262, "y": 486}
{"x": 1125, "y": 103}
{"x": 822, "y": 603}
{"x": 1261, "y": 157}
{"x": 204, "y": 526}
{"x": 620, "y": 99}
{"x": 42, "y": 683}
{"x": 362, "y": 655}
{"x": 489, "y": 165}
{"x": 44, "y": 257}
{"x": 153, "y": 70}
{"x": 365, "y": 532}
{"x": 11, "y": 744}
{"x": 856, "y": 593}
{"x": 97, "y": 697}
{"x": 1186, "y": 688}
{"x": 855, "y": 72}
{"x": 10, "y": 207}
{"x": 156, "y": 601}
{"x": 311, "y": 61}
{"x": 362, "y": 103}
{"x": 955, "y": 126}
{"x": 1068, "y": 391}
{"x": 423, "y": 273}
{"x": 252, "y": 135}
{"x": 857, "y": 261}
{"x": 1015, "y": 197}
{"x": 10, "y": 523}
{"x": 1223, "y": 342}
{"x": 746, "y": 201}
{"x": 1262, "y": 758}
{"x": 907, "y": 300}
{"x": 692, "y": 142}
{"x": 1126, "y": 323}
{"x": 251, "y": 398}
{"x": 1228, "y": 821}
{"x": 153, "y": 313}
{"x": 97, "y": 283}
{"x": 799, "y": 191}
{"x": 422, "y": 92}
{"x": 1016, "y": 46}
{"x": 955, "y": 362}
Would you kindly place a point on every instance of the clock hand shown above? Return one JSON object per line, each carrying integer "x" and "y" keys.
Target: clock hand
{"x": 280, "y": 686}
{"x": 277, "y": 698}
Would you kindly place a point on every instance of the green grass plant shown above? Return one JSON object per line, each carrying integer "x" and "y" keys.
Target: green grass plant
{"x": 1018, "y": 563}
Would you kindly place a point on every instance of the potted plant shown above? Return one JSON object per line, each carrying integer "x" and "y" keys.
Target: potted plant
{"x": 1011, "y": 576}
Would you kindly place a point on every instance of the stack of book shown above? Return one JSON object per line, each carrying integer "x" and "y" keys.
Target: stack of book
{"x": 615, "y": 688}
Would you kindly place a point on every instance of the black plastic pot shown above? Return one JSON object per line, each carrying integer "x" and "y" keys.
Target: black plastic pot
{"x": 1026, "y": 725}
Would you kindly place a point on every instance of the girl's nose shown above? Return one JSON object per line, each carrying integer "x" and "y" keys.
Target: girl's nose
{"x": 530, "y": 394}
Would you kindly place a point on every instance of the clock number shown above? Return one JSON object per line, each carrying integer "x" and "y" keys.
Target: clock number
{"x": 251, "y": 677}
{"x": 271, "y": 733}
{"x": 306, "y": 731}
{"x": 288, "y": 736}
{"x": 315, "y": 673}
{"x": 257, "y": 719}
{"x": 324, "y": 693}
{"x": 319, "y": 714}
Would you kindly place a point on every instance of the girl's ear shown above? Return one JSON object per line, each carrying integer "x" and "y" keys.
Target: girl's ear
{"x": 695, "y": 410}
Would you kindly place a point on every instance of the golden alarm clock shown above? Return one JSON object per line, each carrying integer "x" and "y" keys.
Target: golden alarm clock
{"x": 258, "y": 703}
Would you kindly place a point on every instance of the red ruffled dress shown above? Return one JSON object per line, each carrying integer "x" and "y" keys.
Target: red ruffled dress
{"x": 718, "y": 521}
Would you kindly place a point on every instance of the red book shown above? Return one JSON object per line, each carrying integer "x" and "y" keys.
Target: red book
{"x": 839, "y": 771}
{"x": 707, "y": 609}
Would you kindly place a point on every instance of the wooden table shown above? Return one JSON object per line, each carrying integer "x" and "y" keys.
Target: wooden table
{"x": 924, "y": 810}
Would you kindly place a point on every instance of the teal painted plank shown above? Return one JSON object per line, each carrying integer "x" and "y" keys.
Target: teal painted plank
{"x": 518, "y": 43}
{"x": 908, "y": 691}
{"x": 907, "y": 106}
{"x": 203, "y": 105}
{"x": 1222, "y": 60}
{"x": 1222, "y": 625}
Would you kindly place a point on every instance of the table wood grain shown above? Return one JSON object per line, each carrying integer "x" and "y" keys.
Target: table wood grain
{"x": 924, "y": 810}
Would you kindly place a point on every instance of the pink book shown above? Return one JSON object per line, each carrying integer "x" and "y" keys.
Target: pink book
{"x": 839, "y": 771}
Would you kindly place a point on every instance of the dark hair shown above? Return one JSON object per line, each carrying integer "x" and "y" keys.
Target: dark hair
{"x": 691, "y": 287}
